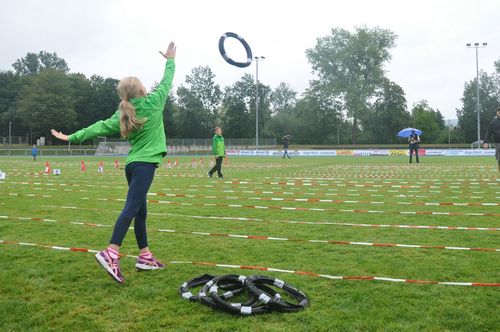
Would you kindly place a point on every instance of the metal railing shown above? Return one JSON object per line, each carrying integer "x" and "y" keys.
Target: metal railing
{"x": 247, "y": 143}
{"x": 187, "y": 146}
{"x": 47, "y": 152}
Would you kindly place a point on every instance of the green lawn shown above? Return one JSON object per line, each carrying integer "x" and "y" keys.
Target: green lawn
{"x": 301, "y": 199}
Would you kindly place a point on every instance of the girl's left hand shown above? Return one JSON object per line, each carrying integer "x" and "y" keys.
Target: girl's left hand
{"x": 59, "y": 135}
{"x": 170, "y": 53}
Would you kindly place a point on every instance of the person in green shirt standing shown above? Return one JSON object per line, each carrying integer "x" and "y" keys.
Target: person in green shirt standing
{"x": 139, "y": 119}
{"x": 219, "y": 151}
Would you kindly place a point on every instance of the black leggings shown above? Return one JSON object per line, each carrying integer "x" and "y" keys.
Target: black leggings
{"x": 413, "y": 147}
{"x": 139, "y": 177}
{"x": 217, "y": 167}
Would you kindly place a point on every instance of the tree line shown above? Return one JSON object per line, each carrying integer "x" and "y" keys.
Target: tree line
{"x": 351, "y": 100}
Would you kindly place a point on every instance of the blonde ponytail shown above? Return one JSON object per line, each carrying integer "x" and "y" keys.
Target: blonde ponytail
{"x": 128, "y": 88}
{"x": 128, "y": 119}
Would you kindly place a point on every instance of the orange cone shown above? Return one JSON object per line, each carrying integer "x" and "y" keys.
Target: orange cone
{"x": 47, "y": 168}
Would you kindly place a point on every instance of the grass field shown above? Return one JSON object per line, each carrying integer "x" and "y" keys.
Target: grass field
{"x": 335, "y": 202}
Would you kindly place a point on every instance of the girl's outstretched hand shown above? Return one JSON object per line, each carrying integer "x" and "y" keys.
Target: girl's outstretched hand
{"x": 170, "y": 53}
{"x": 59, "y": 135}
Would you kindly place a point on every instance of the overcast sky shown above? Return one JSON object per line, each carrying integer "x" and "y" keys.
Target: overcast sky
{"x": 122, "y": 38}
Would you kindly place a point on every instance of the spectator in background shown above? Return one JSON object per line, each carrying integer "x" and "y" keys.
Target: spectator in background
{"x": 414, "y": 141}
{"x": 286, "y": 142}
{"x": 494, "y": 129}
{"x": 34, "y": 152}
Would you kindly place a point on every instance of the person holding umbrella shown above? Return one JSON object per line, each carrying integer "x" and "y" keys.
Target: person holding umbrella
{"x": 494, "y": 130}
{"x": 413, "y": 141}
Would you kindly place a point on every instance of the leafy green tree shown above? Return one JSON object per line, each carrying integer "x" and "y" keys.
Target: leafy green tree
{"x": 199, "y": 102}
{"x": 489, "y": 96}
{"x": 264, "y": 110}
{"x": 350, "y": 67}
{"x": 283, "y": 124}
{"x": 170, "y": 114}
{"x": 430, "y": 121}
{"x": 316, "y": 119}
{"x": 238, "y": 108}
{"x": 283, "y": 99}
{"x": 283, "y": 102}
{"x": 105, "y": 99}
{"x": 496, "y": 77}
{"x": 47, "y": 101}
{"x": 190, "y": 121}
{"x": 236, "y": 121}
{"x": 237, "y": 118}
{"x": 83, "y": 100}
{"x": 387, "y": 116}
{"x": 10, "y": 86}
{"x": 34, "y": 63}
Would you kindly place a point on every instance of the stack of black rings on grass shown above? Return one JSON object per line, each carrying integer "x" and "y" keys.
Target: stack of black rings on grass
{"x": 261, "y": 291}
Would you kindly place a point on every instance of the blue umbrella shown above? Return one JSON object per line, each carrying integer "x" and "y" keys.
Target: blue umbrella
{"x": 409, "y": 131}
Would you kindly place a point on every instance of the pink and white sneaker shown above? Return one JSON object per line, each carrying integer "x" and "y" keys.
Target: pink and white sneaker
{"x": 148, "y": 262}
{"x": 110, "y": 264}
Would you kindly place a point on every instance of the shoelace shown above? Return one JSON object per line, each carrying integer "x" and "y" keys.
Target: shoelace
{"x": 153, "y": 261}
{"x": 115, "y": 264}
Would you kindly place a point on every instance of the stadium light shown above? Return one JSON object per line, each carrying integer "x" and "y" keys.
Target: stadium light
{"x": 449, "y": 132}
{"x": 338, "y": 133}
{"x": 476, "y": 46}
{"x": 257, "y": 59}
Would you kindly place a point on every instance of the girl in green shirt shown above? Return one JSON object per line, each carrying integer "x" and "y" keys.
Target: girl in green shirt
{"x": 140, "y": 120}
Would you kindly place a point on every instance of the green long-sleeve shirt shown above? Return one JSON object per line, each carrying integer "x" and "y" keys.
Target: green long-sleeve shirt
{"x": 218, "y": 147}
{"x": 148, "y": 144}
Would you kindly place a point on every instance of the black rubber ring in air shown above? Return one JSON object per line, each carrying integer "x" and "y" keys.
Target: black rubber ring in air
{"x": 227, "y": 58}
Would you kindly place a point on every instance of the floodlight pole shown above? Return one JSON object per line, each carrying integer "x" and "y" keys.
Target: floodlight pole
{"x": 257, "y": 59}
{"x": 10, "y": 131}
{"x": 449, "y": 132}
{"x": 338, "y": 134}
{"x": 476, "y": 46}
